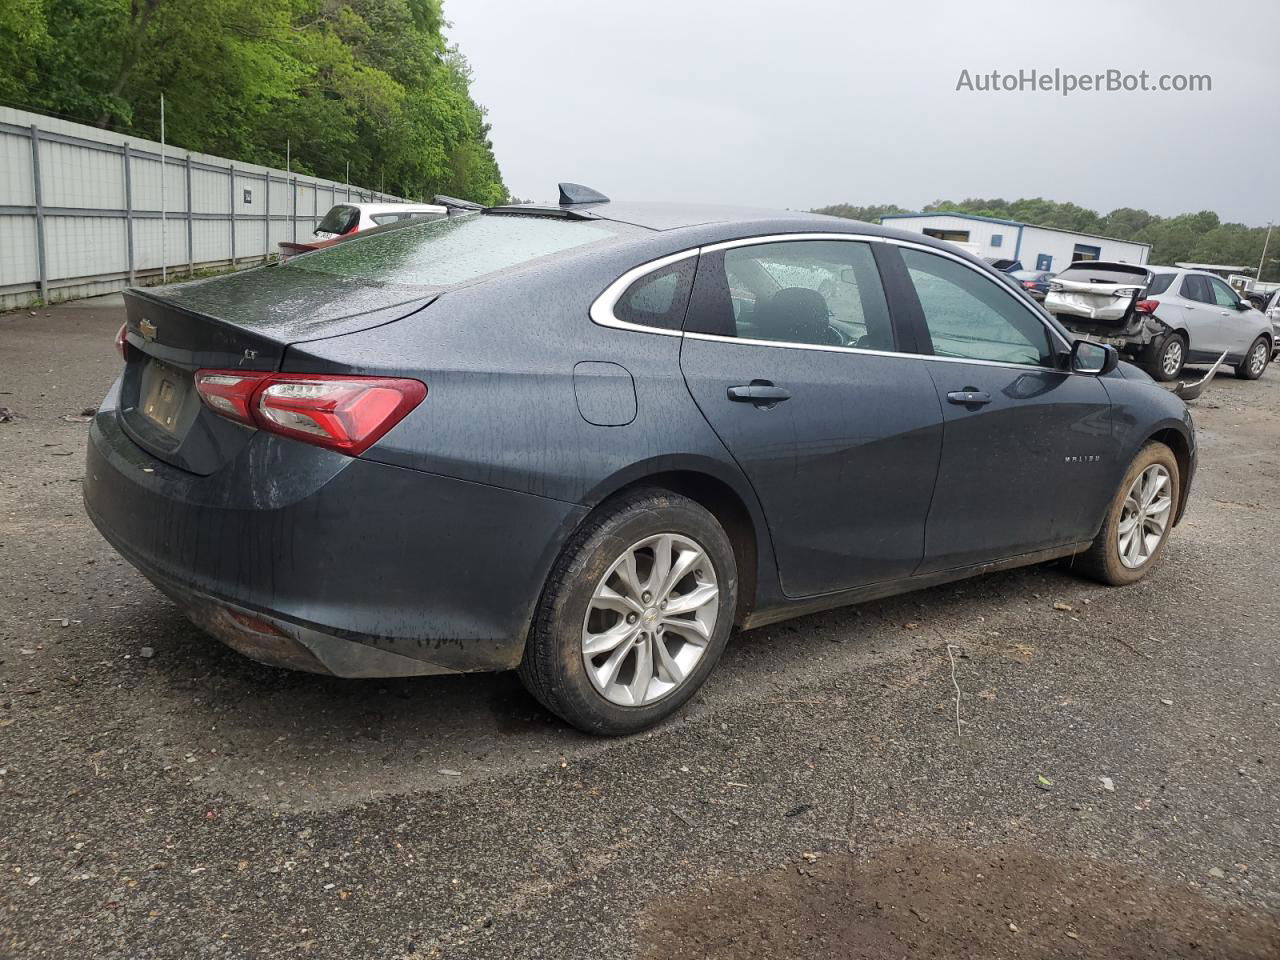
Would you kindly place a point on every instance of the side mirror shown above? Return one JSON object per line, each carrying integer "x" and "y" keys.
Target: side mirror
{"x": 1095, "y": 358}
{"x": 1243, "y": 305}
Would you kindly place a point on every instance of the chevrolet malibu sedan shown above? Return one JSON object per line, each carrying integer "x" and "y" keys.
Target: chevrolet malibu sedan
{"x": 588, "y": 439}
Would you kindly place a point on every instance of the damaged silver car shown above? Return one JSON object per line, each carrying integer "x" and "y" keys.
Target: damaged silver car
{"x": 1162, "y": 317}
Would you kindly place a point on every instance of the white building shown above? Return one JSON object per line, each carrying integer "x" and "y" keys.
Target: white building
{"x": 1038, "y": 248}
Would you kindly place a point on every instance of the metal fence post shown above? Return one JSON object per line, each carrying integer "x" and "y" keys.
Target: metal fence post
{"x": 266, "y": 216}
{"x": 231, "y": 195}
{"x": 38, "y": 195}
{"x": 191, "y": 257}
{"x": 128, "y": 211}
{"x": 293, "y": 207}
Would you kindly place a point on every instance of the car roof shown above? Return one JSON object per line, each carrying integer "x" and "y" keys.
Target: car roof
{"x": 391, "y": 207}
{"x": 694, "y": 224}
{"x": 660, "y": 215}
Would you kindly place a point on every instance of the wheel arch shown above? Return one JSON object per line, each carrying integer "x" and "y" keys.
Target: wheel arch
{"x": 1177, "y": 440}
{"x": 727, "y": 496}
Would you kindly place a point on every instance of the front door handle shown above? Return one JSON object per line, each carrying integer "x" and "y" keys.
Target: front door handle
{"x": 763, "y": 393}
{"x": 969, "y": 395}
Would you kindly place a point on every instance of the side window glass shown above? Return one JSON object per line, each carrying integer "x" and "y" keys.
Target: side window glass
{"x": 974, "y": 318}
{"x": 820, "y": 292}
{"x": 1223, "y": 295}
{"x": 1194, "y": 288}
{"x": 658, "y": 299}
{"x": 1159, "y": 284}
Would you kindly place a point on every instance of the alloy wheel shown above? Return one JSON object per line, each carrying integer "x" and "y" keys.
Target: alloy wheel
{"x": 1258, "y": 359}
{"x": 1172, "y": 360}
{"x": 1145, "y": 515}
{"x": 650, "y": 620}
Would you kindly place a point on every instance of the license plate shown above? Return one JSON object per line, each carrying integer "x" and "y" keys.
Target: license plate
{"x": 163, "y": 400}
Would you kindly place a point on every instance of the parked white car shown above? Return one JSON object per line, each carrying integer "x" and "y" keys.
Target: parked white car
{"x": 345, "y": 218}
{"x": 1162, "y": 317}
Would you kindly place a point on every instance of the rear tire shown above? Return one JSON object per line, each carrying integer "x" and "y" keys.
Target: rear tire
{"x": 612, "y": 648}
{"x": 1116, "y": 560}
{"x": 1255, "y": 361}
{"x": 1167, "y": 357}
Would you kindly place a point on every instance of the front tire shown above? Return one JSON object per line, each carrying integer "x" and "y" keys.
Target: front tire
{"x": 1138, "y": 520}
{"x": 634, "y": 616}
{"x": 1168, "y": 357}
{"x": 1255, "y": 361}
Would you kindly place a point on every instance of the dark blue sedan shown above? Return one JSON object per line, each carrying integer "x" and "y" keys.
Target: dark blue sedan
{"x": 1035, "y": 282}
{"x": 586, "y": 439}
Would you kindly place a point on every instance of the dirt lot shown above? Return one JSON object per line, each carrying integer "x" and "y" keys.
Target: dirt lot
{"x": 814, "y": 801}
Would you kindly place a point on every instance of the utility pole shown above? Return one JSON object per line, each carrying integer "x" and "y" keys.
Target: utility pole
{"x": 1263, "y": 259}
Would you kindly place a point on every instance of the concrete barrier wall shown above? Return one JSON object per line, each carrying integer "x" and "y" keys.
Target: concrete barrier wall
{"x": 84, "y": 211}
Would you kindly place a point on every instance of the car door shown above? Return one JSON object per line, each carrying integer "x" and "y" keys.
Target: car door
{"x": 1027, "y": 452}
{"x": 1202, "y": 318}
{"x": 1236, "y": 331}
{"x": 789, "y": 352}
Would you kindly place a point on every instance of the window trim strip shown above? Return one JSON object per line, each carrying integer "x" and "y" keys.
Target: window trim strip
{"x": 602, "y": 308}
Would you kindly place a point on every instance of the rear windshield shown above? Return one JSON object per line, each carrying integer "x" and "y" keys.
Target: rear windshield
{"x": 1086, "y": 272}
{"x": 439, "y": 253}
{"x": 339, "y": 219}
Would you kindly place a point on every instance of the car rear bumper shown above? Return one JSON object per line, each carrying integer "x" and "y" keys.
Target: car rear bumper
{"x": 317, "y": 561}
{"x": 1101, "y": 312}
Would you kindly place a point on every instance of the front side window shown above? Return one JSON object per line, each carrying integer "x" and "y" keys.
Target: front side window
{"x": 973, "y": 318}
{"x": 1223, "y": 295}
{"x": 819, "y": 292}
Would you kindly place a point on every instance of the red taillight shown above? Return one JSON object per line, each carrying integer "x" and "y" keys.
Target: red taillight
{"x": 1029, "y": 284}
{"x": 1146, "y": 306}
{"x": 229, "y": 393}
{"x": 122, "y": 341}
{"x": 343, "y": 413}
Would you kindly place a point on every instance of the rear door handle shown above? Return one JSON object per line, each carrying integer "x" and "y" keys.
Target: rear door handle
{"x": 763, "y": 393}
{"x": 969, "y": 395}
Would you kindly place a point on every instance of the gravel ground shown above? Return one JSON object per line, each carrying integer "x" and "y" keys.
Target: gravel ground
{"x": 815, "y": 798}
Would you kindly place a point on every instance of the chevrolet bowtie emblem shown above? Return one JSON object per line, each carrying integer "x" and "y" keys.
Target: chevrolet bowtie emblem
{"x": 147, "y": 329}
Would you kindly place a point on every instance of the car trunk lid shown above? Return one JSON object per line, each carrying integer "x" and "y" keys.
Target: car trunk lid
{"x": 240, "y": 322}
{"x": 1097, "y": 292}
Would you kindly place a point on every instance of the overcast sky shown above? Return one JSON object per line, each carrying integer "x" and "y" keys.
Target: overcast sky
{"x": 802, "y": 103}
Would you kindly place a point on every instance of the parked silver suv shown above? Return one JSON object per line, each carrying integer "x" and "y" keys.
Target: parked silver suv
{"x": 1162, "y": 317}
{"x": 1273, "y": 314}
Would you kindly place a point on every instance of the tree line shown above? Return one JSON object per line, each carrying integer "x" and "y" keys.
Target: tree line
{"x": 372, "y": 83}
{"x": 1187, "y": 238}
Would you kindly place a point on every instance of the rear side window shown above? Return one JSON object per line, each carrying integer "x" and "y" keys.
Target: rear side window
{"x": 819, "y": 292}
{"x": 1159, "y": 284}
{"x": 971, "y": 317}
{"x": 339, "y": 219}
{"x": 658, "y": 299}
{"x": 439, "y": 253}
{"x": 1195, "y": 287}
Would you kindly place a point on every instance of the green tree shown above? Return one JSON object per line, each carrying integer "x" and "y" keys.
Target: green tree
{"x": 371, "y": 83}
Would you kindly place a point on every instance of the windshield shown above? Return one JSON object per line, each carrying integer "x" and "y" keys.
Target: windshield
{"x": 440, "y": 253}
{"x": 339, "y": 219}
